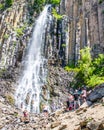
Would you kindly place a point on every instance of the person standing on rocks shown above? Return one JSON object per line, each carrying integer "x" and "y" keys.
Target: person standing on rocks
{"x": 76, "y": 99}
{"x": 84, "y": 94}
{"x": 45, "y": 110}
{"x": 25, "y": 118}
{"x": 71, "y": 101}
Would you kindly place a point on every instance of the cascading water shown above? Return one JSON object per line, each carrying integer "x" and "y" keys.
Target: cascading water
{"x": 35, "y": 70}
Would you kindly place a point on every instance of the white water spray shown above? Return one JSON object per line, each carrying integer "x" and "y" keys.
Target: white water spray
{"x": 35, "y": 70}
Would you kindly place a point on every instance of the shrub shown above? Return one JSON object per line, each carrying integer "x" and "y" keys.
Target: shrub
{"x": 38, "y": 5}
{"x": 91, "y": 71}
{"x": 20, "y": 30}
{"x": 1, "y": 6}
{"x": 9, "y": 3}
{"x": 95, "y": 80}
{"x": 98, "y": 64}
{"x": 53, "y": 2}
{"x": 69, "y": 69}
{"x": 56, "y": 15}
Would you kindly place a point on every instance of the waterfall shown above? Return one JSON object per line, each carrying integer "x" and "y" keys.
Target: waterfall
{"x": 35, "y": 67}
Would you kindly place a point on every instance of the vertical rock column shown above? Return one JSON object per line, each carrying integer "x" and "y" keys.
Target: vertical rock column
{"x": 86, "y": 18}
{"x": 12, "y": 20}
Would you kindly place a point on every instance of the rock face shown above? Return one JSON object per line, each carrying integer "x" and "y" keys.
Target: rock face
{"x": 58, "y": 84}
{"x": 81, "y": 25}
{"x": 14, "y": 33}
{"x": 86, "y": 26}
{"x": 97, "y": 93}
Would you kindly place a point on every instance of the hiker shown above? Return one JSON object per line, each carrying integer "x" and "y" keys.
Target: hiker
{"x": 84, "y": 94}
{"x": 25, "y": 118}
{"x": 67, "y": 104}
{"x": 71, "y": 101}
{"x": 45, "y": 110}
{"x": 76, "y": 99}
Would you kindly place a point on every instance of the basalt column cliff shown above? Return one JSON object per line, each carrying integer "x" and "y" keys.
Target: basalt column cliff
{"x": 86, "y": 26}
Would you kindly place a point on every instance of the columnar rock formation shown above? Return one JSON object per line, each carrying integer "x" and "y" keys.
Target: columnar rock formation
{"x": 13, "y": 33}
{"x": 82, "y": 25}
{"x": 86, "y": 26}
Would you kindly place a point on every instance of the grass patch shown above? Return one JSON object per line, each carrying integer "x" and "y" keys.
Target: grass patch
{"x": 10, "y": 99}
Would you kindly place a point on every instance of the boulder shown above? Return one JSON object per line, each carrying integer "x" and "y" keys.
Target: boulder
{"x": 55, "y": 124}
{"x": 97, "y": 93}
{"x": 86, "y": 104}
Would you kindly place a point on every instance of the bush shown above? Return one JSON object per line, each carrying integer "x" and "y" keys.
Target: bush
{"x": 52, "y": 2}
{"x": 20, "y": 30}
{"x": 95, "y": 80}
{"x": 9, "y": 3}
{"x": 56, "y": 15}
{"x": 91, "y": 71}
{"x": 1, "y": 6}
{"x": 69, "y": 69}
{"x": 55, "y": 1}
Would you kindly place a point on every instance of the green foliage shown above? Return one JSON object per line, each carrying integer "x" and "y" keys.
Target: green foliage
{"x": 56, "y": 15}
{"x": 85, "y": 63}
{"x": 9, "y": 3}
{"x": 6, "y": 36}
{"x": 10, "y": 99}
{"x": 1, "y": 6}
{"x": 55, "y": 2}
{"x": 101, "y": 1}
{"x": 38, "y": 5}
{"x": 95, "y": 80}
{"x": 98, "y": 64}
{"x": 90, "y": 71}
{"x": 69, "y": 69}
{"x": 63, "y": 45}
{"x": 85, "y": 56}
{"x": 20, "y": 30}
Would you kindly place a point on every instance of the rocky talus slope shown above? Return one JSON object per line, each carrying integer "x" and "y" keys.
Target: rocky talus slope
{"x": 85, "y": 118}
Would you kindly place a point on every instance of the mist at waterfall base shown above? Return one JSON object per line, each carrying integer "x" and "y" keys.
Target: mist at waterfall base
{"x": 35, "y": 68}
